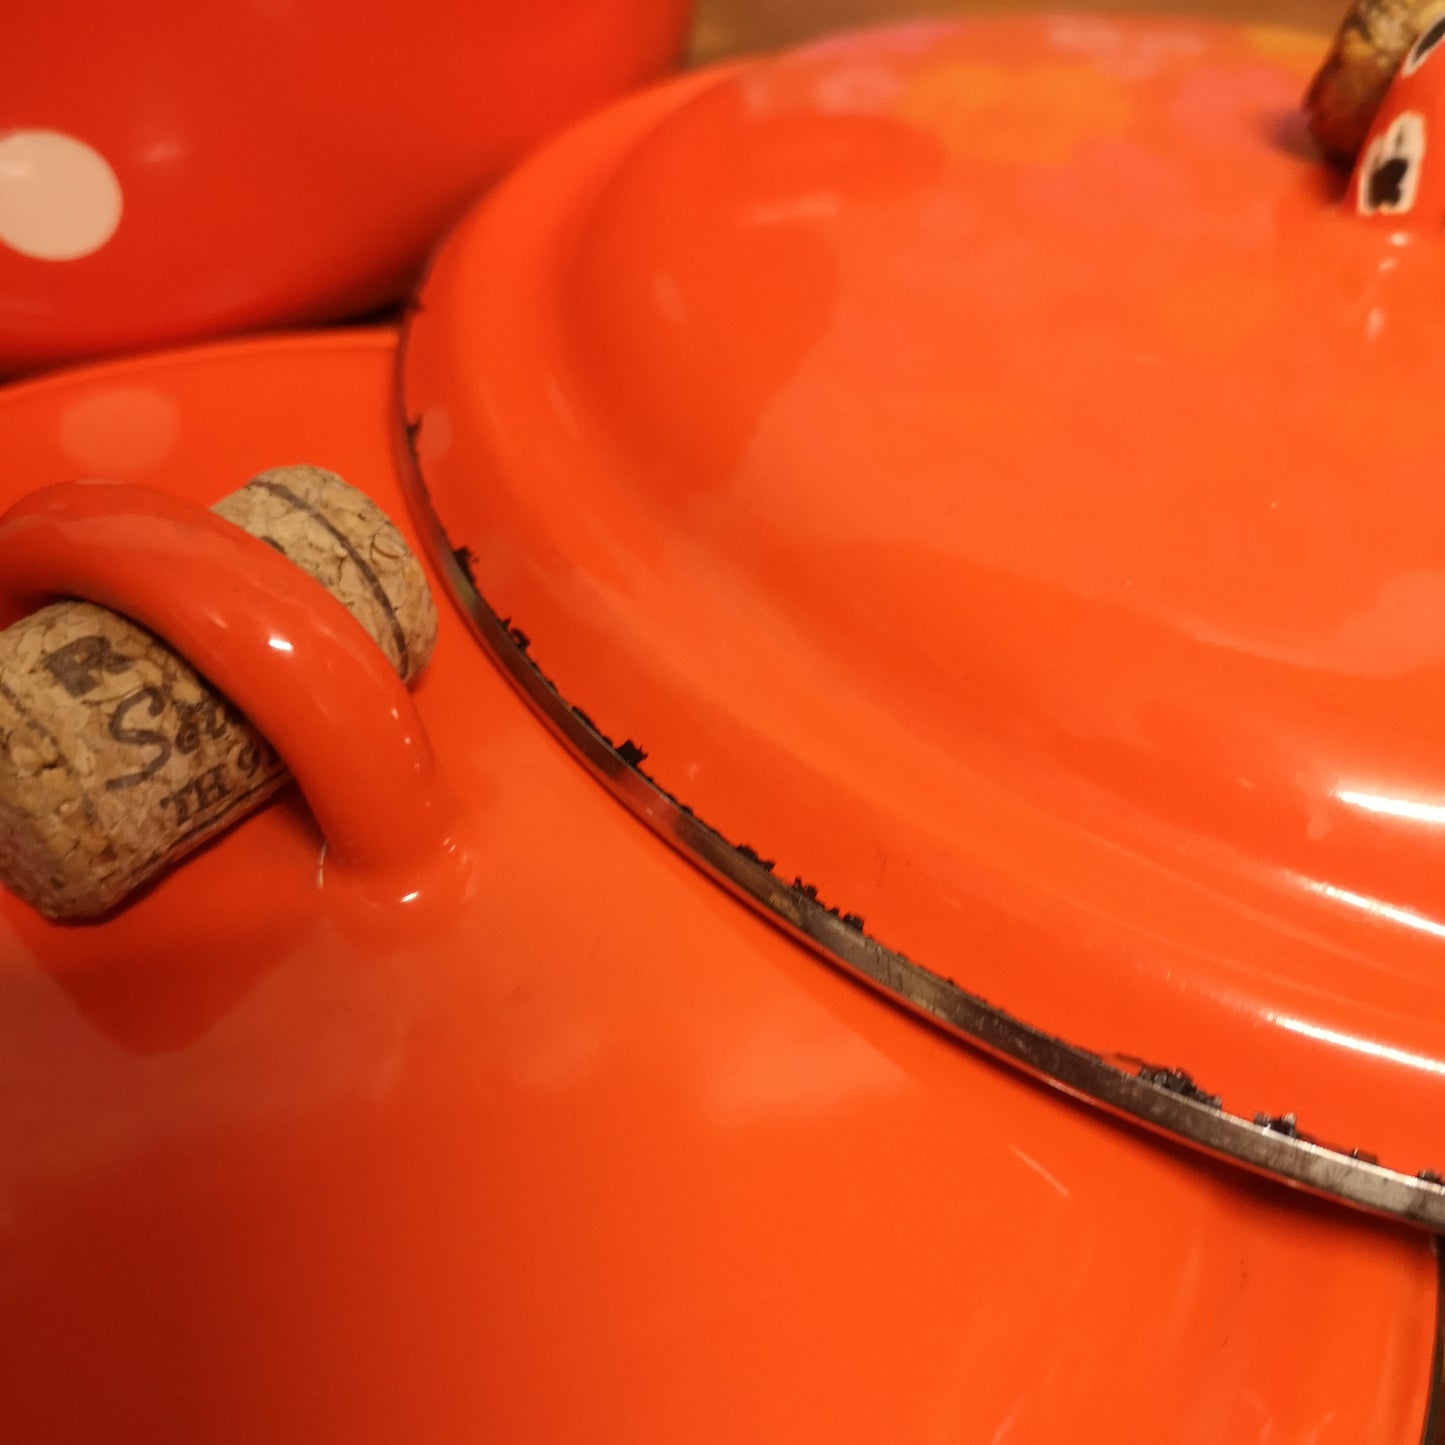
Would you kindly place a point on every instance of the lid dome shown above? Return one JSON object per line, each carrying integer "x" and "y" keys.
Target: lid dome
{"x": 984, "y": 470}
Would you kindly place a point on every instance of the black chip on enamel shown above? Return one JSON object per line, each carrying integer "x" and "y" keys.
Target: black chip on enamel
{"x": 1387, "y": 183}
{"x": 1390, "y": 167}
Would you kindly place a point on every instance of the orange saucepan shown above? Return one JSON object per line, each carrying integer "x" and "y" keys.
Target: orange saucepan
{"x": 571, "y": 1146}
{"x": 488, "y": 1115}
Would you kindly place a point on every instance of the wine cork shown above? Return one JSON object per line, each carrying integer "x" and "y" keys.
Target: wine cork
{"x": 1367, "y": 51}
{"x": 117, "y": 758}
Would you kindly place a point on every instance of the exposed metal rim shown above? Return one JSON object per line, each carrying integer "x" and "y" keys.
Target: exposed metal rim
{"x": 1164, "y": 1100}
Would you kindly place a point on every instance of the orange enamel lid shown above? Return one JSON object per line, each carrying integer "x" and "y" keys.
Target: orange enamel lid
{"x": 975, "y": 488}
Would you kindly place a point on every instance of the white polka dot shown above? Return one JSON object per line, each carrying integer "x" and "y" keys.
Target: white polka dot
{"x": 59, "y": 198}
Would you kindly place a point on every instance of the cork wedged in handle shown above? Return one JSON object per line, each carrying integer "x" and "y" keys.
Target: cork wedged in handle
{"x": 268, "y": 636}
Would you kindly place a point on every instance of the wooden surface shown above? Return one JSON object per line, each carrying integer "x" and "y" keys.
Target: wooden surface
{"x": 729, "y": 27}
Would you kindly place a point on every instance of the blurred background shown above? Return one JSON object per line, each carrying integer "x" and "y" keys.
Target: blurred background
{"x": 136, "y": 212}
{"x": 726, "y": 27}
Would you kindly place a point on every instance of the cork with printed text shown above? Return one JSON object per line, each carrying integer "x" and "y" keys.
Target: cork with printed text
{"x": 117, "y": 758}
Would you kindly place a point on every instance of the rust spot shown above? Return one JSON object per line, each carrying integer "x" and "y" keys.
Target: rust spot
{"x": 466, "y": 560}
{"x": 1285, "y": 1124}
{"x": 1178, "y": 1081}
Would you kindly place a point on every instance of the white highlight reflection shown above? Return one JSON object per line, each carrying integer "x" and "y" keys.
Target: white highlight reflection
{"x": 1029, "y": 1162}
{"x": 1358, "y": 1045}
{"x": 1393, "y": 807}
{"x": 1391, "y": 911}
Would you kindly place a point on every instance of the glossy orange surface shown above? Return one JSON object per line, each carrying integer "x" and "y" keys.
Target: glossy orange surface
{"x": 987, "y": 467}
{"x": 176, "y": 171}
{"x": 582, "y": 1150}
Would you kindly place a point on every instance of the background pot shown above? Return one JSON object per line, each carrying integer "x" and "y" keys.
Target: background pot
{"x": 171, "y": 170}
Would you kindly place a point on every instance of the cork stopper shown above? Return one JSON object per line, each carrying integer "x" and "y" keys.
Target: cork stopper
{"x": 1368, "y": 48}
{"x": 117, "y": 758}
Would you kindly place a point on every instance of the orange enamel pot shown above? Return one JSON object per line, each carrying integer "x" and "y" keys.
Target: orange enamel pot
{"x": 571, "y": 1146}
{"x": 173, "y": 170}
{"x": 766, "y": 433}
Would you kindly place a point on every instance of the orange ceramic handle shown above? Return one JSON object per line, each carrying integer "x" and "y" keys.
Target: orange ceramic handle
{"x": 271, "y": 638}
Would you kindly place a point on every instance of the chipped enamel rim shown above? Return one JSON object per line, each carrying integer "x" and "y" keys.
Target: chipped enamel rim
{"x": 1162, "y": 1099}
